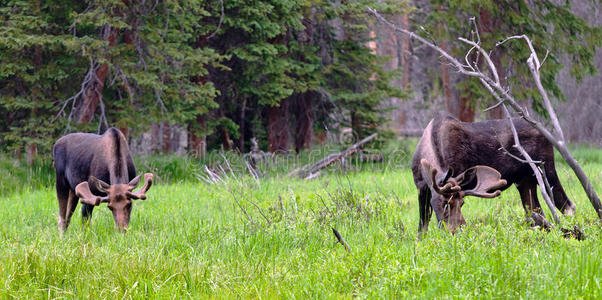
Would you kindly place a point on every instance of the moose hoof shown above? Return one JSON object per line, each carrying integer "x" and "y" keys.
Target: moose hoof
{"x": 569, "y": 210}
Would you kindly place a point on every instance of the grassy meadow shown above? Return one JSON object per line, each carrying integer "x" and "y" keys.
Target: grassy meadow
{"x": 272, "y": 238}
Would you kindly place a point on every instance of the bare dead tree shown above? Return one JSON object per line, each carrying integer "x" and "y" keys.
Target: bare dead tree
{"x": 502, "y": 94}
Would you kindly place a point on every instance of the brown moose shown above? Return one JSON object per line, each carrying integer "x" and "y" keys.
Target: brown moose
{"x": 474, "y": 151}
{"x": 96, "y": 169}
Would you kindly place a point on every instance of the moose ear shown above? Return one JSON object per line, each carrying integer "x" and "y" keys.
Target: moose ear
{"x": 443, "y": 178}
{"x": 134, "y": 182}
{"x": 441, "y": 185}
{"x": 488, "y": 180}
{"x": 100, "y": 185}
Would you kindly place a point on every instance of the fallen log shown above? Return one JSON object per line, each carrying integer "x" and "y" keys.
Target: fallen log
{"x": 309, "y": 172}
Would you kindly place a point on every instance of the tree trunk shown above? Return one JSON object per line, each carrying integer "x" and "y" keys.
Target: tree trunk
{"x": 94, "y": 91}
{"x": 355, "y": 125}
{"x": 305, "y": 121}
{"x": 304, "y": 102}
{"x": 451, "y": 105}
{"x": 466, "y": 110}
{"x": 278, "y": 127}
{"x": 241, "y": 126}
{"x": 166, "y": 132}
{"x": 488, "y": 25}
{"x": 197, "y": 142}
{"x": 405, "y": 61}
{"x": 125, "y": 130}
{"x": 31, "y": 153}
{"x": 461, "y": 108}
{"x": 32, "y": 148}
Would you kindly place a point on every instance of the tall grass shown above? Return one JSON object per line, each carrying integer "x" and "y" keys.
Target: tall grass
{"x": 192, "y": 239}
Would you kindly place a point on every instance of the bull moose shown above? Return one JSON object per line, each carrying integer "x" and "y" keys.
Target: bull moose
{"x": 96, "y": 169}
{"x": 454, "y": 159}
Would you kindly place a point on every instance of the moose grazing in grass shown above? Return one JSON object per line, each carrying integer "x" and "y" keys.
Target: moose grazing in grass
{"x": 454, "y": 159}
{"x": 96, "y": 169}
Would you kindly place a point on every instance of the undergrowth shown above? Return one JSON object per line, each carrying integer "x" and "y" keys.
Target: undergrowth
{"x": 272, "y": 237}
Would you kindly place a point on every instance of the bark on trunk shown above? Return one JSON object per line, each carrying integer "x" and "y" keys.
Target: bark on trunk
{"x": 31, "y": 153}
{"x": 32, "y": 148}
{"x": 305, "y": 102}
{"x": 166, "y": 132}
{"x": 278, "y": 128}
{"x": 197, "y": 142}
{"x": 488, "y": 25}
{"x": 305, "y": 120}
{"x": 450, "y": 102}
{"x": 461, "y": 108}
{"x": 355, "y": 125}
{"x": 226, "y": 141}
{"x": 94, "y": 90}
{"x": 241, "y": 126}
{"x": 405, "y": 61}
{"x": 466, "y": 111}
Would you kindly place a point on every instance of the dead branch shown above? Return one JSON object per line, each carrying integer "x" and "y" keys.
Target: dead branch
{"x": 219, "y": 25}
{"x": 241, "y": 207}
{"x": 537, "y": 219}
{"x": 503, "y": 95}
{"x": 254, "y": 204}
{"x": 536, "y": 170}
{"x": 341, "y": 240}
{"x": 309, "y": 172}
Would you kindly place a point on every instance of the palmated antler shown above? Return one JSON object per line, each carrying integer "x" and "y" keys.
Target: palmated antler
{"x": 82, "y": 191}
{"x": 488, "y": 179}
{"x": 141, "y": 194}
{"x": 429, "y": 173}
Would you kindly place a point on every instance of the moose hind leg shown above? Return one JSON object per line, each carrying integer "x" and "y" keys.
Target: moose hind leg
{"x": 425, "y": 210}
{"x": 528, "y": 195}
{"x": 561, "y": 200}
{"x": 71, "y": 204}
{"x": 87, "y": 212}
{"x": 62, "y": 194}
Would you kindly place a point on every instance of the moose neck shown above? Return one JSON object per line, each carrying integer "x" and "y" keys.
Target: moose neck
{"x": 117, "y": 150}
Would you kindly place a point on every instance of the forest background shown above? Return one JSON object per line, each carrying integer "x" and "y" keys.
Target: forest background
{"x": 187, "y": 77}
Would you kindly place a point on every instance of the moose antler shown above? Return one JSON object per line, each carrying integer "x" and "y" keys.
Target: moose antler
{"x": 141, "y": 194}
{"x": 82, "y": 191}
{"x": 429, "y": 173}
{"x": 488, "y": 179}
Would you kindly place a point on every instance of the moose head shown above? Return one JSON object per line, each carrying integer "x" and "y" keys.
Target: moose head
{"x": 448, "y": 192}
{"x": 118, "y": 196}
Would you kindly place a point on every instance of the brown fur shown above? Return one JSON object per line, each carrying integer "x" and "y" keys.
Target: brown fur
{"x": 80, "y": 156}
{"x": 449, "y": 144}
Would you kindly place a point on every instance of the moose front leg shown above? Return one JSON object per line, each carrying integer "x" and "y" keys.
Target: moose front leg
{"x": 528, "y": 195}
{"x": 425, "y": 210}
{"x": 438, "y": 207}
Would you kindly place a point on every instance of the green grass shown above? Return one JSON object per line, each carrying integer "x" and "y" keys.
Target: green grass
{"x": 192, "y": 239}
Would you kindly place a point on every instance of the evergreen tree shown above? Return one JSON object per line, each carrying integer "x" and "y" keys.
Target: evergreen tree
{"x": 125, "y": 62}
